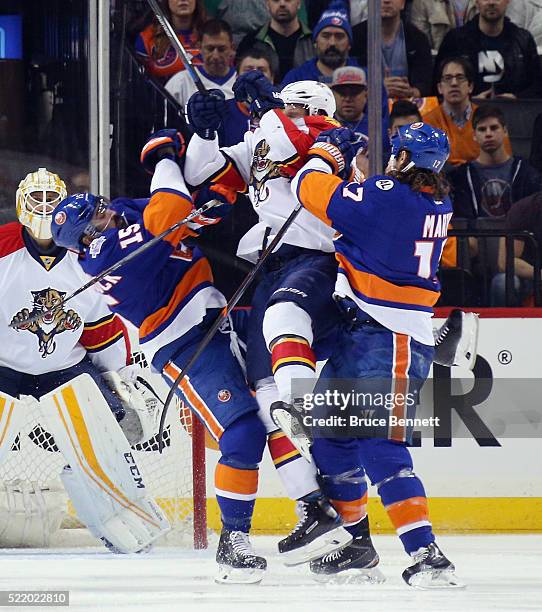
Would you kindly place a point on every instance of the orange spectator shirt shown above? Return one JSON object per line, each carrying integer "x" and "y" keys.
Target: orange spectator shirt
{"x": 167, "y": 64}
{"x": 463, "y": 147}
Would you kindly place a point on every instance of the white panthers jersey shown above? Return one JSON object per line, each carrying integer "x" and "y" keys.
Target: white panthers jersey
{"x": 32, "y": 283}
{"x": 265, "y": 162}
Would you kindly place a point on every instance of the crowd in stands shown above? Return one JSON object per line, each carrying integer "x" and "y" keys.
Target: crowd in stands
{"x": 449, "y": 63}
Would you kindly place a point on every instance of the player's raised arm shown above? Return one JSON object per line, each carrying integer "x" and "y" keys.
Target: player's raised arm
{"x": 205, "y": 160}
{"x": 316, "y": 183}
{"x": 170, "y": 199}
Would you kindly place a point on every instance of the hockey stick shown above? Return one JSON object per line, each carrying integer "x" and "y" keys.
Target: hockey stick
{"x": 115, "y": 266}
{"x": 247, "y": 281}
{"x": 174, "y": 39}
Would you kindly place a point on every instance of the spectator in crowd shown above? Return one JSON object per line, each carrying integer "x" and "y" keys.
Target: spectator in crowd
{"x": 238, "y": 119}
{"x": 153, "y": 47}
{"x": 525, "y": 214}
{"x": 284, "y": 33}
{"x": 332, "y": 38}
{"x": 258, "y": 57}
{"x": 504, "y": 55}
{"x": 406, "y": 53}
{"x": 435, "y": 18}
{"x": 527, "y": 14}
{"x": 349, "y": 86}
{"x": 403, "y": 112}
{"x": 217, "y": 71}
{"x": 454, "y": 114}
{"x": 487, "y": 186}
{"x": 359, "y": 10}
{"x": 244, "y": 16}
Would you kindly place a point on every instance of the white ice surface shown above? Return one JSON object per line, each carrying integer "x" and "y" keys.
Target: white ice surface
{"x": 502, "y": 572}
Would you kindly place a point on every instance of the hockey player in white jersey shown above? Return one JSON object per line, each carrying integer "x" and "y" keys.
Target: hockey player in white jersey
{"x": 288, "y": 318}
{"x": 72, "y": 362}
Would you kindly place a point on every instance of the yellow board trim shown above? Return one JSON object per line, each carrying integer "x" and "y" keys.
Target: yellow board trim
{"x": 447, "y": 514}
{"x": 276, "y": 516}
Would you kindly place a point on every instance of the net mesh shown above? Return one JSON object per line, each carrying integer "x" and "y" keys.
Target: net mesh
{"x": 33, "y": 500}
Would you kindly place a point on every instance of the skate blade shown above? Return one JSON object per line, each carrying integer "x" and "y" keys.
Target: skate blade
{"x": 467, "y": 349}
{"x": 328, "y": 542}
{"x": 353, "y": 576}
{"x": 283, "y": 419}
{"x": 237, "y": 575}
{"x": 436, "y": 579}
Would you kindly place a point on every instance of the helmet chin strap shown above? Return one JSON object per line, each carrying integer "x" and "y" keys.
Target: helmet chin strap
{"x": 408, "y": 166}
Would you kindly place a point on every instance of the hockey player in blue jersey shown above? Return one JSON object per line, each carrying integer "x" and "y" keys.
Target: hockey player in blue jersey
{"x": 169, "y": 295}
{"x": 391, "y": 232}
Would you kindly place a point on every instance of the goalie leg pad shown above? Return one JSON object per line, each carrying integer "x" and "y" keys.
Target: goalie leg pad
{"x": 103, "y": 479}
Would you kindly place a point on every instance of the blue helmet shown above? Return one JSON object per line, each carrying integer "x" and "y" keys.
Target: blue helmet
{"x": 428, "y": 147}
{"x": 72, "y": 219}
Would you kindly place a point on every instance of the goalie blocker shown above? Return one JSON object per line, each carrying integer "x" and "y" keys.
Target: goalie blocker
{"x": 101, "y": 476}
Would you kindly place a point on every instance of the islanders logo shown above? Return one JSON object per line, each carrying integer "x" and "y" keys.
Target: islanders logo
{"x": 50, "y": 324}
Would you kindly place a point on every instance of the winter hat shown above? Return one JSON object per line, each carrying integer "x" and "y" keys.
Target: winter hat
{"x": 336, "y": 16}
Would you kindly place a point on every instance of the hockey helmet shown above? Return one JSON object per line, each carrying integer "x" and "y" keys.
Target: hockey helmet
{"x": 37, "y": 196}
{"x": 428, "y": 146}
{"x": 316, "y": 96}
{"x": 73, "y": 219}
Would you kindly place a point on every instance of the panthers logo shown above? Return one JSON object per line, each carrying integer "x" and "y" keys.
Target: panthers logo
{"x": 52, "y": 323}
{"x": 261, "y": 171}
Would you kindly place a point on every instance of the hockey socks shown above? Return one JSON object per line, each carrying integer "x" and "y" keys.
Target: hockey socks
{"x": 236, "y": 494}
{"x": 291, "y": 357}
{"x": 298, "y": 476}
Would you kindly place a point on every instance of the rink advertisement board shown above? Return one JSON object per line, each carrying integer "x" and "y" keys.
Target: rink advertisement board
{"x": 482, "y": 466}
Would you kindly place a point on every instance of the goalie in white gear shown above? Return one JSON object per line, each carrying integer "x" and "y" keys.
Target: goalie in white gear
{"x": 81, "y": 337}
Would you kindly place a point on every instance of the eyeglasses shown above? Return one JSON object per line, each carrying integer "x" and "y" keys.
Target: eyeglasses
{"x": 448, "y": 78}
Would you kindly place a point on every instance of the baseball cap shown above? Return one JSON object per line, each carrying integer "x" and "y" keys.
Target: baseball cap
{"x": 349, "y": 75}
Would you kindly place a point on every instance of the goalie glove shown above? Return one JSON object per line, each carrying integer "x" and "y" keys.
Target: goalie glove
{"x": 257, "y": 91}
{"x": 337, "y": 148}
{"x": 205, "y": 112}
{"x": 162, "y": 144}
{"x": 222, "y": 199}
{"x": 143, "y": 409}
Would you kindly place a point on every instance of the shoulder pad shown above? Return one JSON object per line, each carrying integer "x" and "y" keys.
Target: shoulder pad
{"x": 11, "y": 238}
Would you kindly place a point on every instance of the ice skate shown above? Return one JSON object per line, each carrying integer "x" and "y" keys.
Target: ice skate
{"x": 432, "y": 570}
{"x": 353, "y": 564}
{"x": 237, "y": 562}
{"x": 289, "y": 418}
{"x": 456, "y": 340}
{"x": 318, "y": 532}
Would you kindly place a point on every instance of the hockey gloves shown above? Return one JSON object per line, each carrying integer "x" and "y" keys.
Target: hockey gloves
{"x": 337, "y": 148}
{"x": 223, "y": 199}
{"x": 205, "y": 112}
{"x": 156, "y": 148}
{"x": 258, "y": 92}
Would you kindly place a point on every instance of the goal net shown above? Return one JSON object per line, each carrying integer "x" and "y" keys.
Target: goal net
{"x": 35, "y": 510}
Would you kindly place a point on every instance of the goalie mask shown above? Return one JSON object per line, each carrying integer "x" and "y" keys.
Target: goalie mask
{"x": 37, "y": 196}
{"x": 316, "y": 97}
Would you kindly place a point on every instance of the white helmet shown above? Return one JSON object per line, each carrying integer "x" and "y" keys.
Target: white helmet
{"x": 39, "y": 193}
{"x": 314, "y": 95}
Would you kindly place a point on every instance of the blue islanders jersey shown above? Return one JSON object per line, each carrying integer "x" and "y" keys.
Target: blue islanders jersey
{"x": 388, "y": 244}
{"x": 164, "y": 291}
